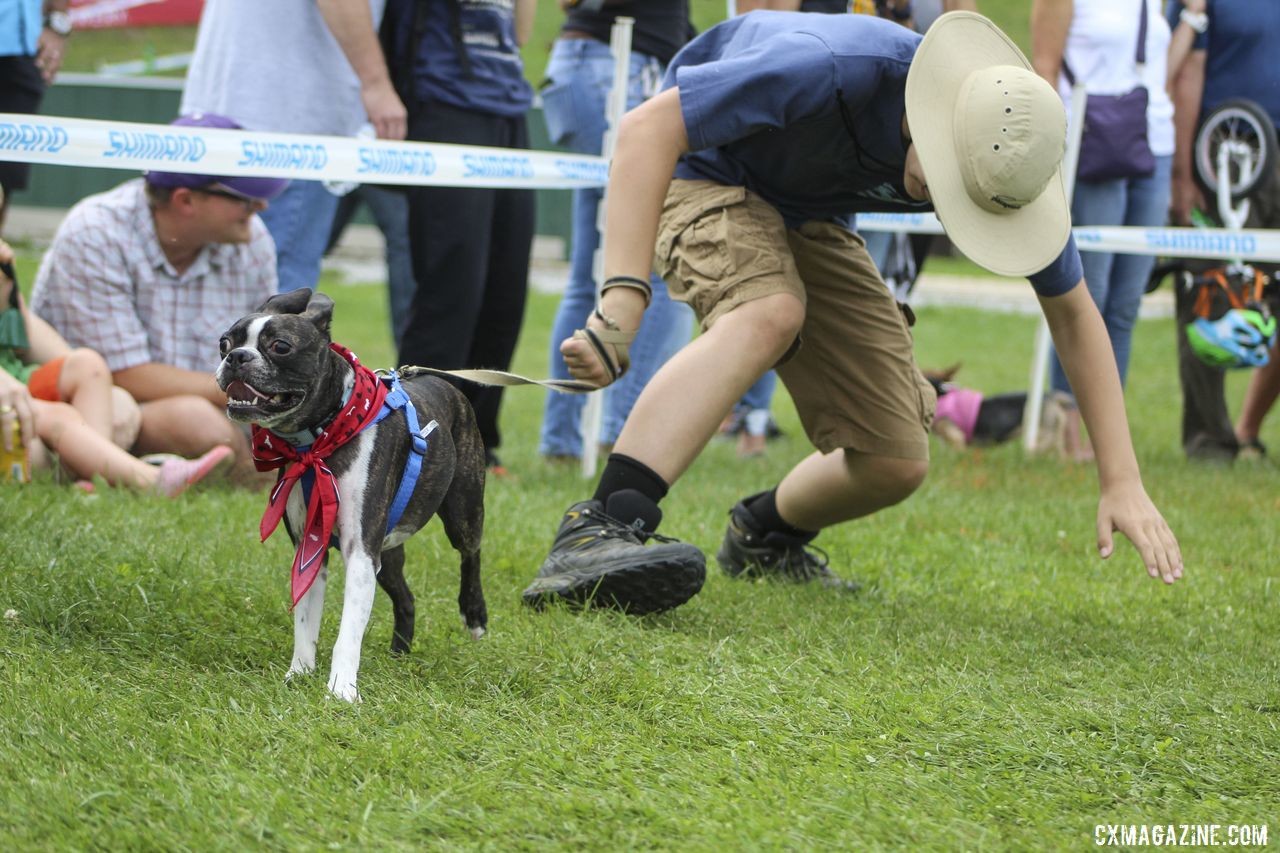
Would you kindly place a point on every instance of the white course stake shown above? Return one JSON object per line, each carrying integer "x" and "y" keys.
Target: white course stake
{"x": 1040, "y": 358}
{"x": 615, "y": 106}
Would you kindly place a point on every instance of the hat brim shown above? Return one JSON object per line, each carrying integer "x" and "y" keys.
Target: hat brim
{"x": 1015, "y": 243}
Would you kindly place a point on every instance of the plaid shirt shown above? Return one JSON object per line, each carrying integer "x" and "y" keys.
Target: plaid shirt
{"x": 105, "y": 284}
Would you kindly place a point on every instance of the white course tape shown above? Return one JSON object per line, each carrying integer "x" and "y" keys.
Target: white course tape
{"x": 204, "y": 151}
{"x": 1247, "y": 244}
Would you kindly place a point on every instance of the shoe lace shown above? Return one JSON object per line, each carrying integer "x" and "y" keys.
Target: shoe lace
{"x": 634, "y": 533}
{"x": 805, "y": 561}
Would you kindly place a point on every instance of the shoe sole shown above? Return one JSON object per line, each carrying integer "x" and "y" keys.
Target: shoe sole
{"x": 636, "y": 589}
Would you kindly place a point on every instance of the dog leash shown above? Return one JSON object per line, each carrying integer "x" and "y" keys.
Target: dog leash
{"x": 500, "y": 377}
{"x": 615, "y": 363}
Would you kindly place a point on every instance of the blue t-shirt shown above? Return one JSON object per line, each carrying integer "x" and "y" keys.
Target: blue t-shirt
{"x": 1240, "y": 60}
{"x": 20, "y": 24}
{"x": 806, "y": 112}
{"x": 495, "y": 83}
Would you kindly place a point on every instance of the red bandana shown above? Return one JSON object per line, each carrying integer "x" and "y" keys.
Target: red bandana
{"x": 270, "y": 451}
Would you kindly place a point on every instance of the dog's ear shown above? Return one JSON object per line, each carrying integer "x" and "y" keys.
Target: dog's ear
{"x": 950, "y": 373}
{"x": 319, "y": 311}
{"x": 293, "y": 302}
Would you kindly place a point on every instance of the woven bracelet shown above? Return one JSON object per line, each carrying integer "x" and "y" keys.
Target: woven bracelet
{"x": 630, "y": 281}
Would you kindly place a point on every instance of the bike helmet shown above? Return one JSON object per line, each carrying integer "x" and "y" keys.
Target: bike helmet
{"x": 1242, "y": 337}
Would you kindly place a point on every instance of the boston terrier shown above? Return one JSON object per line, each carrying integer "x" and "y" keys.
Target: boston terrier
{"x": 365, "y": 460}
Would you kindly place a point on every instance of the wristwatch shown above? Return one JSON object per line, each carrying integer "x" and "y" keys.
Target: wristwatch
{"x": 59, "y": 22}
{"x": 1198, "y": 21}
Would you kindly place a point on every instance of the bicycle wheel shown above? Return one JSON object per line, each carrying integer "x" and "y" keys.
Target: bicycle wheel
{"x": 1240, "y": 123}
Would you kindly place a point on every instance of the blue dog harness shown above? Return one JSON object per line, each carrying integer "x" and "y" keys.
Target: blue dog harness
{"x": 398, "y": 399}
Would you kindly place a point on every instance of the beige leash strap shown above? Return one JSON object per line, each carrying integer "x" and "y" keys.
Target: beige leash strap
{"x": 501, "y": 377}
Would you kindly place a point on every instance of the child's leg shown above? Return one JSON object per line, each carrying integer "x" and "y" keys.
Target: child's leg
{"x": 85, "y": 383}
{"x": 86, "y": 452}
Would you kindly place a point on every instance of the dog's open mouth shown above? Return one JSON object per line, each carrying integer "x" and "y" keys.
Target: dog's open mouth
{"x": 244, "y": 399}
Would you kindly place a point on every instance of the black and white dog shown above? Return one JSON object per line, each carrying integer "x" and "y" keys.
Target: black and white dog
{"x": 281, "y": 374}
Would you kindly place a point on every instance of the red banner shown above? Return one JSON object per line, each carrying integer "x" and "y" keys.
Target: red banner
{"x": 109, "y": 14}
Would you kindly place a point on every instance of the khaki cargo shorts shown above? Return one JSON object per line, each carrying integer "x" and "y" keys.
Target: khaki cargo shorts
{"x": 853, "y": 376}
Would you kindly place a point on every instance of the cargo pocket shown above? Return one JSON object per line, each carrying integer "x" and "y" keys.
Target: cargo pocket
{"x": 692, "y": 247}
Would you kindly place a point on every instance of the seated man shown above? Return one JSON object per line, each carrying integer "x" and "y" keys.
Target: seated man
{"x": 150, "y": 275}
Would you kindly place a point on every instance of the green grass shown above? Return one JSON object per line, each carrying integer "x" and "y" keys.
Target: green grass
{"x": 89, "y": 49}
{"x": 994, "y": 686}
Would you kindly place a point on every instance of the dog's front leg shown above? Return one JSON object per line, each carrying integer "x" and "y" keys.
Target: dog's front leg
{"x": 357, "y": 603}
{"x": 306, "y": 625}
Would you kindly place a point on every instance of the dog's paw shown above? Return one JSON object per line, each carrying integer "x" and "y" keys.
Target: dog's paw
{"x": 476, "y": 633}
{"x": 346, "y": 692}
{"x": 298, "y": 668}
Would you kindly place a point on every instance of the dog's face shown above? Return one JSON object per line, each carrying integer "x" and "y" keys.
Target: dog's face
{"x": 277, "y": 368}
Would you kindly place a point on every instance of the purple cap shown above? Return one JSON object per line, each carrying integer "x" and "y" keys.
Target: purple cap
{"x": 249, "y": 188}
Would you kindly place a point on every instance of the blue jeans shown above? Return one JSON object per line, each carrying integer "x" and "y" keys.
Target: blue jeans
{"x": 390, "y": 210}
{"x": 1116, "y": 282}
{"x": 299, "y": 220}
{"x": 759, "y": 395}
{"x": 580, "y": 74}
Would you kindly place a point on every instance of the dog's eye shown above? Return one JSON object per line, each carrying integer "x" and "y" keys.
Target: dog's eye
{"x": 224, "y": 346}
{"x": 280, "y": 348}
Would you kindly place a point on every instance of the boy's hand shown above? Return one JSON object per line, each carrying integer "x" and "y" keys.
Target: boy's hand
{"x": 1128, "y": 509}
{"x": 586, "y": 352}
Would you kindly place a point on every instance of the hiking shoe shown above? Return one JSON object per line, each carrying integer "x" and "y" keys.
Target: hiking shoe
{"x": 749, "y": 552}
{"x": 599, "y": 561}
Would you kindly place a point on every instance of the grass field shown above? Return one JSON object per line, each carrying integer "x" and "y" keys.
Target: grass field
{"x": 994, "y": 686}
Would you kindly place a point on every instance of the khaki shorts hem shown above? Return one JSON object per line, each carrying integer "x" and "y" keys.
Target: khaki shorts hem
{"x": 849, "y": 438}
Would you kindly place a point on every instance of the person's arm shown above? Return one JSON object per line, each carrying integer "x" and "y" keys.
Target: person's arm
{"x": 525, "y": 12}
{"x": 959, "y": 6}
{"x": 153, "y": 381}
{"x": 651, "y": 139}
{"x": 46, "y": 343}
{"x": 1187, "y": 92}
{"x": 50, "y": 46}
{"x": 1085, "y": 352}
{"x": 1050, "y": 23}
{"x": 15, "y": 397}
{"x": 1182, "y": 41}
{"x": 352, "y": 25}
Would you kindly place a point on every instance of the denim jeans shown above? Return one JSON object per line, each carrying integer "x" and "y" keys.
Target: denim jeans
{"x": 580, "y": 74}
{"x": 390, "y": 210}
{"x": 299, "y": 220}
{"x": 759, "y": 395}
{"x": 1116, "y": 282}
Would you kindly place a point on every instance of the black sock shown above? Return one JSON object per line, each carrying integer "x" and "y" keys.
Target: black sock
{"x": 622, "y": 472}
{"x": 630, "y": 491}
{"x": 764, "y": 509}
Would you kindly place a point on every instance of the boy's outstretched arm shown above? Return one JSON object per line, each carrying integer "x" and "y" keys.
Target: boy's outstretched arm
{"x": 1085, "y": 352}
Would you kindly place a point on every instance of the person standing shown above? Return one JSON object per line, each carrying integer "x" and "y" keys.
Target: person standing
{"x": 295, "y": 66}
{"x": 33, "y": 38}
{"x": 1096, "y": 44}
{"x": 1232, "y": 56}
{"x": 457, "y": 65}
